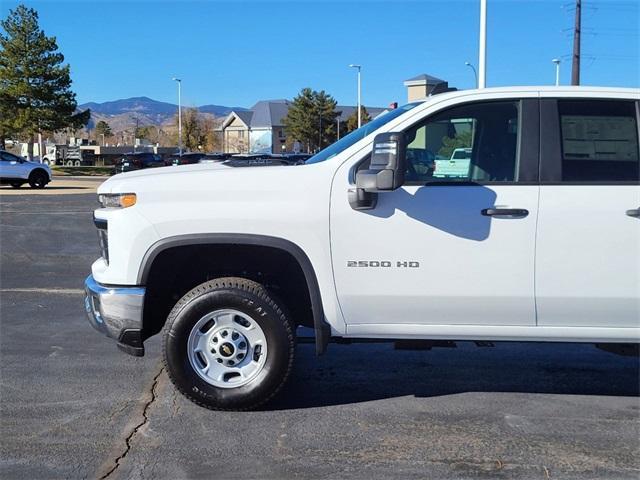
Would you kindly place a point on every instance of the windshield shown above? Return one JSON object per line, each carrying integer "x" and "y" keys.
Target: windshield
{"x": 345, "y": 142}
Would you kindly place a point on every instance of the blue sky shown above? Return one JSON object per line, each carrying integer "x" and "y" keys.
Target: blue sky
{"x": 235, "y": 53}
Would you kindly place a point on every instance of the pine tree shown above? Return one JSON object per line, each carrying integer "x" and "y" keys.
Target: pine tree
{"x": 35, "y": 85}
{"x": 103, "y": 128}
{"x": 145, "y": 132}
{"x": 352, "y": 121}
{"x": 311, "y": 119}
{"x": 298, "y": 122}
{"x": 326, "y": 111}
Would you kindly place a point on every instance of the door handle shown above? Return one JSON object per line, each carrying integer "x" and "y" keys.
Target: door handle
{"x": 634, "y": 213}
{"x": 510, "y": 212}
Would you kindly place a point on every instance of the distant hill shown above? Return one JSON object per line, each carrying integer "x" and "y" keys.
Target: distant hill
{"x": 122, "y": 113}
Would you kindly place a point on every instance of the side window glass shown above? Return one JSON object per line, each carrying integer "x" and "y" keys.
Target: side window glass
{"x": 599, "y": 141}
{"x": 473, "y": 143}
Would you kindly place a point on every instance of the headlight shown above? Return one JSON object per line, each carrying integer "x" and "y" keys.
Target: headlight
{"x": 117, "y": 200}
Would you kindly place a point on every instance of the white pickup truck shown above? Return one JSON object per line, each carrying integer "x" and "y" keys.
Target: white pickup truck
{"x": 540, "y": 241}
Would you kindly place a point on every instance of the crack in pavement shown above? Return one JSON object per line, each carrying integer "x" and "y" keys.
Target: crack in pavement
{"x": 145, "y": 419}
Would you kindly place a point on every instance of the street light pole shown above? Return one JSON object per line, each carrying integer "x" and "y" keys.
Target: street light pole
{"x": 475, "y": 74}
{"x": 359, "y": 67}
{"x": 179, "y": 115}
{"x": 482, "y": 54}
{"x": 557, "y": 62}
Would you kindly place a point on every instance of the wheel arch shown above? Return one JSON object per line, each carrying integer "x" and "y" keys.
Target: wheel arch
{"x": 320, "y": 326}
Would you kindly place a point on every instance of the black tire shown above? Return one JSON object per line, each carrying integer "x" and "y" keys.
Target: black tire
{"x": 252, "y": 299}
{"x": 16, "y": 184}
{"x": 38, "y": 179}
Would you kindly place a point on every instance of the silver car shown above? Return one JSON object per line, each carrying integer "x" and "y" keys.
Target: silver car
{"x": 16, "y": 171}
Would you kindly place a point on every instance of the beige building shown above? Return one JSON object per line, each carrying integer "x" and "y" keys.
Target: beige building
{"x": 258, "y": 130}
{"x": 424, "y": 85}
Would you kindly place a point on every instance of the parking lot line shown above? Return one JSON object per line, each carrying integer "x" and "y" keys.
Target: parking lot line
{"x": 62, "y": 291}
{"x": 57, "y": 186}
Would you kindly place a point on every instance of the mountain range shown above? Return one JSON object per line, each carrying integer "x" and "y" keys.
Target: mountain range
{"x": 122, "y": 114}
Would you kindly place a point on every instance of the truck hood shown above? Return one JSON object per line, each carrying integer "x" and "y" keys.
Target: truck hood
{"x": 191, "y": 178}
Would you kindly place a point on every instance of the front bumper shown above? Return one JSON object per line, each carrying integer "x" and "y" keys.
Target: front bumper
{"x": 117, "y": 313}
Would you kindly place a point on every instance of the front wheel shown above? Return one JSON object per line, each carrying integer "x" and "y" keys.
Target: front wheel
{"x": 38, "y": 179}
{"x": 228, "y": 345}
{"x": 16, "y": 184}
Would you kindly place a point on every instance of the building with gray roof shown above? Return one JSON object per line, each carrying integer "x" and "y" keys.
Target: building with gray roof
{"x": 261, "y": 129}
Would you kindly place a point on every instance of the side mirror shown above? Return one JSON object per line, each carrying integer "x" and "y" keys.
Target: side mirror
{"x": 388, "y": 164}
{"x": 386, "y": 170}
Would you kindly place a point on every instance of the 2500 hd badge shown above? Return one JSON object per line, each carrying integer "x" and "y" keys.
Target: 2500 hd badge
{"x": 382, "y": 264}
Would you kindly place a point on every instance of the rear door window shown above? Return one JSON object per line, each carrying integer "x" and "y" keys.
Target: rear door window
{"x": 599, "y": 141}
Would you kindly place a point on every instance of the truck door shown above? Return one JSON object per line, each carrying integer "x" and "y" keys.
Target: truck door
{"x": 588, "y": 240}
{"x": 455, "y": 244}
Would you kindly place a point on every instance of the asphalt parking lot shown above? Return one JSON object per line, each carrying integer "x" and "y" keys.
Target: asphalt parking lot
{"x": 73, "y": 406}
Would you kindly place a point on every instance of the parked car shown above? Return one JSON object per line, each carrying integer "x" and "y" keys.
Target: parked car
{"x": 215, "y": 158}
{"x": 457, "y": 166}
{"x": 196, "y": 157}
{"x": 16, "y": 171}
{"x": 184, "y": 159}
{"x": 539, "y": 241}
{"x": 138, "y": 161}
{"x": 298, "y": 157}
{"x": 293, "y": 158}
{"x": 461, "y": 154}
{"x": 256, "y": 159}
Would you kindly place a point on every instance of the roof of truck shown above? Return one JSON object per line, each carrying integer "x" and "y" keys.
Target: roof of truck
{"x": 545, "y": 91}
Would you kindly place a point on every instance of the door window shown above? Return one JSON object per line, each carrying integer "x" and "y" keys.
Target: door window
{"x": 472, "y": 143}
{"x": 599, "y": 141}
{"x": 7, "y": 157}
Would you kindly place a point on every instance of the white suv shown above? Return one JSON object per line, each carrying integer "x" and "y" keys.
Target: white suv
{"x": 16, "y": 171}
{"x": 535, "y": 238}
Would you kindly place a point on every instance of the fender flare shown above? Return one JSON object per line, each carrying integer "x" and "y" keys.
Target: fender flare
{"x": 321, "y": 327}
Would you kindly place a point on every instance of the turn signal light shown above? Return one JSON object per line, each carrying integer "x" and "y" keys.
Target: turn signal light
{"x": 117, "y": 200}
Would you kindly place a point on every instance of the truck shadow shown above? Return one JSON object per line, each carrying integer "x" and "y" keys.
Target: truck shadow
{"x": 453, "y": 210}
{"x": 349, "y": 374}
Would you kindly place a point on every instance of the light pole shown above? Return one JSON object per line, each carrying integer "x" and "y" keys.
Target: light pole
{"x": 179, "y": 114}
{"x": 359, "y": 67}
{"x": 557, "y": 62}
{"x": 482, "y": 54}
{"x": 475, "y": 74}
